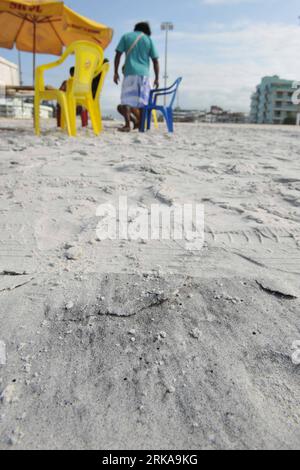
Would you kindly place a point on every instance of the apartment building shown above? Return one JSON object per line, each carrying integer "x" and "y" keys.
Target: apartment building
{"x": 272, "y": 102}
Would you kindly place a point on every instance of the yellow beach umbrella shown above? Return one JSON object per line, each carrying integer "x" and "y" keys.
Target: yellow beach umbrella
{"x": 43, "y": 26}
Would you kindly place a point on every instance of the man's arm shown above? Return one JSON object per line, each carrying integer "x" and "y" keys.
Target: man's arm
{"x": 117, "y": 65}
{"x": 156, "y": 71}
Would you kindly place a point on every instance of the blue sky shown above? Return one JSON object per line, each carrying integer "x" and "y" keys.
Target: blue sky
{"x": 221, "y": 47}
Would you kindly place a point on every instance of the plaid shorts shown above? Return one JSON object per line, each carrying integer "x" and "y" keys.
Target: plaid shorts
{"x": 135, "y": 91}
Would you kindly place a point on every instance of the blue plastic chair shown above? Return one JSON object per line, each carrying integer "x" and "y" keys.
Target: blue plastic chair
{"x": 167, "y": 111}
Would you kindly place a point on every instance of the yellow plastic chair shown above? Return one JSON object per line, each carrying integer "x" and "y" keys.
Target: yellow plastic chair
{"x": 88, "y": 63}
{"x": 155, "y": 120}
{"x": 96, "y": 99}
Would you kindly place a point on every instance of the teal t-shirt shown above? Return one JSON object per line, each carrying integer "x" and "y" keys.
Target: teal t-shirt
{"x": 138, "y": 62}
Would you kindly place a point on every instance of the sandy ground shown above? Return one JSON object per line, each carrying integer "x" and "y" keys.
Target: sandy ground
{"x": 144, "y": 344}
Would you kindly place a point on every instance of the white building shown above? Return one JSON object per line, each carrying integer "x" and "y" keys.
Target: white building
{"x": 14, "y": 106}
{"x": 9, "y": 73}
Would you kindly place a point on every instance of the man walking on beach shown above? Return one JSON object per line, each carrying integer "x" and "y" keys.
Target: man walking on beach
{"x": 139, "y": 49}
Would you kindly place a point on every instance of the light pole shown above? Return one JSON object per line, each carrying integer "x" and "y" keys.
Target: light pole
{"x": 21, "y": 80}
{"x": 20, "y": 68}
{"x": 166, "y": 26}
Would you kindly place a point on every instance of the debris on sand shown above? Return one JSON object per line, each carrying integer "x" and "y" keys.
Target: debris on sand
{"x": 296, "y": 353}
{"x": 74, "y": 253}
{"x": 196, "y": 333}
{"x": 2, "y": 353}
{"x": 7, "y": 396}
{"x": 15, "y": 437}
{"x": 162, "y": 335}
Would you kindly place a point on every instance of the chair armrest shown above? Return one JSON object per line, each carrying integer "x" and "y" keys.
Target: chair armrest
{"x": 39, "y": 72}
{"x": 159, "y": 92}
{"x": 103, "y": 71}
{"x": 162, "y": 90}
{"x": 168, "y": 90}
{"x": 154, "y": 94}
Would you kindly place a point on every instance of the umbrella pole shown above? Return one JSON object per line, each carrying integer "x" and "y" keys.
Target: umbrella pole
{"x": 34, "y": 52}
{"x": 20, "y": 68}
{"x": 33, "y": 71}
{"x": 33, "y": 64}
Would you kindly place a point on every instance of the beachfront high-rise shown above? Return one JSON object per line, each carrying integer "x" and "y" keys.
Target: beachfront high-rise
{"x": 272, "y": 102}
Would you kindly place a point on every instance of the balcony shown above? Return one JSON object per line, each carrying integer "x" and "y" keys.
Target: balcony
{"x": 287, "y": 107}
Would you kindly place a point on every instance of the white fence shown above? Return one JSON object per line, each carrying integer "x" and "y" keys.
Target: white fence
{"x": 18, "y": 108}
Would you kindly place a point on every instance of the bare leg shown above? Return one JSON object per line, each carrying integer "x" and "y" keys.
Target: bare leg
{"x": 136, "y": 112}
{"x": 125, "y": 112}
{"x": 58, "y": 115}
{"x": 84, "y": 118}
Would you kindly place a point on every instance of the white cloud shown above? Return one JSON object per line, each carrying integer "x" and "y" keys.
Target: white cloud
{"x": 222, "y": 66}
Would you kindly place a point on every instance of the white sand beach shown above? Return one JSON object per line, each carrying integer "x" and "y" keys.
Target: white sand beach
{"x": 144, "y": 344}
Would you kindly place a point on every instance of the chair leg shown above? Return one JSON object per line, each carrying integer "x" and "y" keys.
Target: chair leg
{"x": 62, "y": 120}
{"x": 166, "y": 116}
{"x": 66, "y": 115}
{"x": 170, "y": 120}
{"x": 71, "y": 110}
{"x": 99, "y": 115}
{"x": 37, "y": 115}
{"x": 93, "y": 115}
{"x": 154, "y": 114}
{"x": 149, "y": 117}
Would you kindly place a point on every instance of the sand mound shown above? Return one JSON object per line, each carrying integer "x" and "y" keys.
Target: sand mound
{"x": 194, "y": 364}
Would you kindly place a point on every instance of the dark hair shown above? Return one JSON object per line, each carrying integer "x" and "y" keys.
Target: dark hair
{"x": 143, "y": 28}
{"x": 72, "y": 71}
